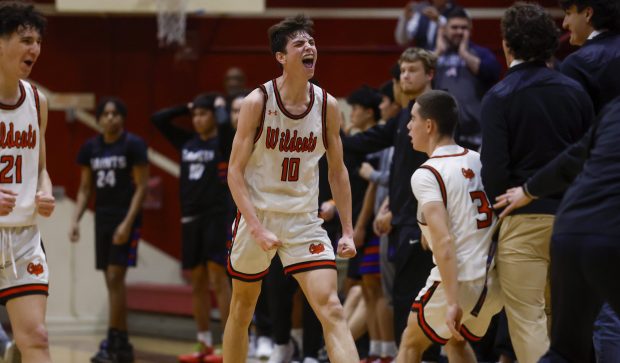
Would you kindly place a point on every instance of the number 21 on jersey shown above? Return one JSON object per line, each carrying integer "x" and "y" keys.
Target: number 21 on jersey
{"x": 10, "y": 169}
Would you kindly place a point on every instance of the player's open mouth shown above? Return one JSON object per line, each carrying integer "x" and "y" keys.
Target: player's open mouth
{"x": 29, "y": 63}
{"x": 308, "y": 61}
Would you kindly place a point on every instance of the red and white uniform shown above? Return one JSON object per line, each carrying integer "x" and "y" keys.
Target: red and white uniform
{"x": 282, "y": 174}
{"x": 282, "y": 178}
{"x": 19, "y": 155}
{"x": 452, "y": 176}
{"x": 23, "y": 269}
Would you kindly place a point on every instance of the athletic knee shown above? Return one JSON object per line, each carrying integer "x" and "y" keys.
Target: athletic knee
{"x": 115, "y": 277}
{"x": 372, "y": 290}
{"x": 220, "y": 283}
{"x": 200, "y": 283}
{"x": 331, "y": 310}
{"x": 242, "y": 308}
{"x": 410, "y": 339}
{"x": 413, "y": 337}
{"x": 32, "y": 338}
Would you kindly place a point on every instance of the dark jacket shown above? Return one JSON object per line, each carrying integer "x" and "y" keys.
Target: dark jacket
{"x": 592, "y": 203}
{"x": 591, "y": 66}
{"x": 528, "y": 118}
{"x": 596, "y": 65}
{"x": 405, "y": 161}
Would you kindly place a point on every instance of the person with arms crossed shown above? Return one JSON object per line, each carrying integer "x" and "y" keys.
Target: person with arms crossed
{"x": 284, "y": 128}
{"x": 115, "y": 165}
{"x": 461, "y": 294}
{"x": 25, "y": 185}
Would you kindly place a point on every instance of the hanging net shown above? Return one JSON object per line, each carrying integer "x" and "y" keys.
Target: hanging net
{"x": 171, "y": 22}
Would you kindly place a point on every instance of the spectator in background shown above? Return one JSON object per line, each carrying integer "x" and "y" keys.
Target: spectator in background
{"x": 205, "y": 202}
{"x": 420, "y": 22}
{"x": 527, "y": 119}
{"x": 594, "y": 25}
{"x": 234, "y": 83}
{"x": 466, "y": 70}
{"x": 114, "y": 164}
{"x": 365, "y": 113}
{"x": 380, "y": 176}
{"x": 235, "y": 107}
{"x": 412, "y": 261}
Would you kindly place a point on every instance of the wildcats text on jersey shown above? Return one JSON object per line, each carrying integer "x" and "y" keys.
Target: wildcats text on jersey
{"x": 108, "y": 162}
{"x": 288, "y": 142}
{"x": 11, "y": 138}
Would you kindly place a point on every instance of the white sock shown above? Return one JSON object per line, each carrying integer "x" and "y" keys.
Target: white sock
{"x": 205, "y": 338}
{"x": 375, "y": 348}
{"x": 388, "y": 349}
{"x": 298, "y": 336}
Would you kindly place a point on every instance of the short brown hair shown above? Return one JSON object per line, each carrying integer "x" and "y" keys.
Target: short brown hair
{"x": 281, "y": 33}
{"x": 441, "y": 107}
{"x": 428, "y": 59}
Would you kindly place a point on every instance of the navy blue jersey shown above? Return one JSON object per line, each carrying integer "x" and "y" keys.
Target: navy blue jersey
{"x": 204, "y": 165}
{"x": 111, "y": 167}
{"x": 203, "y": 177}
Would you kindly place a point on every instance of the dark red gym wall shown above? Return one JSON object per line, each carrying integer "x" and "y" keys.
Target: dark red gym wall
{"x": 119, "y": 55}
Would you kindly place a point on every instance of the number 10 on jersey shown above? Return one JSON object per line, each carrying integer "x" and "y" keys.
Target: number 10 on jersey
{"x": 290, "y": 169}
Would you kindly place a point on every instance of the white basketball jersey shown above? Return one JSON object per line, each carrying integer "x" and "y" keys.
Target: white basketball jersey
{"x": 452, "y": 176}
{"x": 282, "y": 174}
{"x": 19, "y": 154}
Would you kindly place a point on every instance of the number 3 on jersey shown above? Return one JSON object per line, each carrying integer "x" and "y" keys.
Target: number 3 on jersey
{"x": 290, "y": 169}
{"x": 483, "y": 208}
{"x": 8, "y": 161}
{"x": 106, "y": 178}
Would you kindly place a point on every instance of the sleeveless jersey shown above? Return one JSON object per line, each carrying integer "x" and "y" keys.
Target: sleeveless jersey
{"x": 282, "y": 173}
{"x": 452, "y": 176}
{"x": 111, "y": 169}
{"x": 19, "y": 154}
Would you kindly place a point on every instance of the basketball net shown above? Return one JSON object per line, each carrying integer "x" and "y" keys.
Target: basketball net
{"x": 171, "y": 17}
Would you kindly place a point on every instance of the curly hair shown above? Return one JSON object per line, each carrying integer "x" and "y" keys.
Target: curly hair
{"x": 606, "y": 13}
{"x": 530, "y": 32}
{"x": 279, "y": 34}
{"x": 15, "y": 16}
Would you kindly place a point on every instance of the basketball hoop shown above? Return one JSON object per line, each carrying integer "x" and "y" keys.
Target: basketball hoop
{"x": 171, "y": 22}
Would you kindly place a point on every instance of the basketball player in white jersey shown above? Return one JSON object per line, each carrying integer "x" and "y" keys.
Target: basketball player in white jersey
{"x": 25, "y": 186}
{"x": 284, "y": 128}
{"x": 461, "y": 295}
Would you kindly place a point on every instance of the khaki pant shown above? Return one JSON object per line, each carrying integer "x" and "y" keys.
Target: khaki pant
{"x": 522, "y": 266}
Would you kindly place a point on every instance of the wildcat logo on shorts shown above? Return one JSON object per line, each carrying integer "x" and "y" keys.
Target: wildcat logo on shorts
{"x": 468, "y": 173}
{"x": 315, "y": 249}
{"x": 35, "y": 269}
